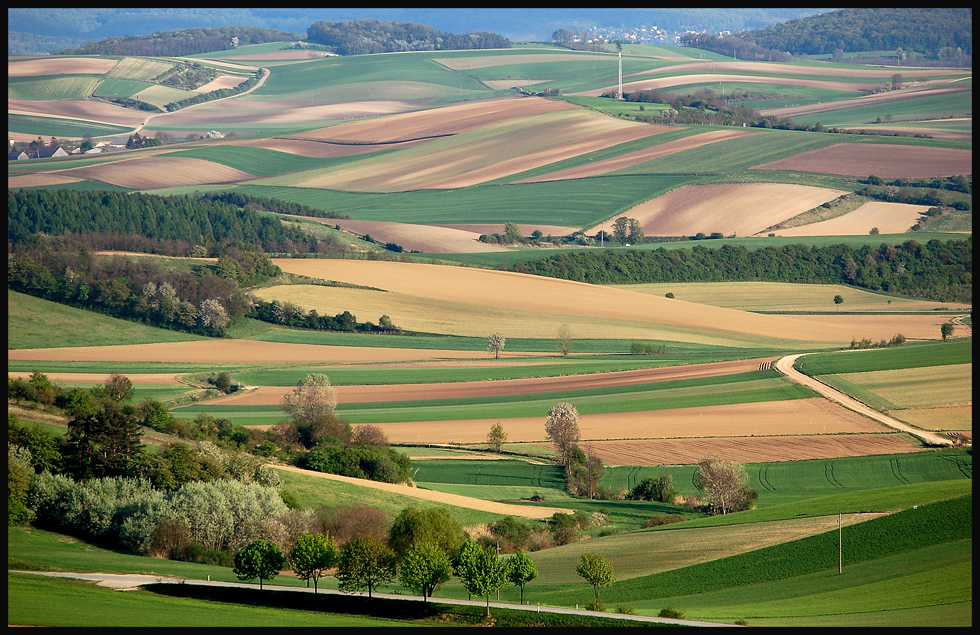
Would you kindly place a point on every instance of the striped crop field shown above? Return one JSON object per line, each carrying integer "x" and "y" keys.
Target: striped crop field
{"x": 52, "y": 87}
{"x": 140, "y": 68}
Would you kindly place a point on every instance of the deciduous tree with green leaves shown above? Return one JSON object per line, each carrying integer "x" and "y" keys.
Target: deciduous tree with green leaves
{"x": 312, "y": 556}
{"x": 365, "y": 563}
{"x": 259, "y": 559}
{"x": 597, "y": 571}
{"x": 483, "y": 573}
{"x": 424, "y": 568}
{"x": 521, "y": 570}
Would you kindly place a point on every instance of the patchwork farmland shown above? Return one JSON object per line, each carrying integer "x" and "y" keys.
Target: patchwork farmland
{"x": 413, "y": 182}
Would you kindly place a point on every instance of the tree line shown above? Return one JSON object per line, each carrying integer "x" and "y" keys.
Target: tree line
{"x": 182, "y": 42}
{"x": 362, "y": 37}
{"x": 938, "y": 270}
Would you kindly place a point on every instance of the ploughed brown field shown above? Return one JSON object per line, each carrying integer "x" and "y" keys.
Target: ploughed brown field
{"x": 888, "y": 161}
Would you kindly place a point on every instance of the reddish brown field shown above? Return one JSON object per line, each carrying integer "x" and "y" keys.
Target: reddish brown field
{"x": 424, "y": 238}
{"x": 60, "y": 66}
{"x": 747, "y": 450}
{"x": 438, "y": 121}
{"x": 888, "y": 161}
{"x": 88, "y": 110}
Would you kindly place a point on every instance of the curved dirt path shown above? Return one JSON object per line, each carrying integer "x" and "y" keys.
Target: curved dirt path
{"x": 785, "y": 366}
{"x": 438, "y": 497}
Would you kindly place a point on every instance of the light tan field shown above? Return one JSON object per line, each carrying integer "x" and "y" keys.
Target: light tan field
{"x": 742, "y": 209}
{"x": 434, "y": 122}
{"x": 280, "y": 55}
{"x": 949, "y": 418}
{"x": 271, "y": 395}
{"x": 87, "y": 110}
{"x": 748, "y": 450}
{"x": 216, "y": 113}
{"x": 424, "y": 238}
{"x": 466, "y": 301}
{"x": 929, "y": 387}
{"x": 150, "y": 172}
{"x": 220, "y": 82}
{"x": 477, "y": 156}
{"x": 60, "y": 66}
{"x": 526, "y": 230}
{"x": 889, "y": 161}
{"x": 785, "y": 296}
{"x": 243, "y": 352}
{"x": 640, "y": 156}
{"x": 797, "y": 417}
{"x": 35, "y": 180}
{"x": 777, "y": 68}
{"x": 98, "y": 378}
{"x": 889, "y": 218}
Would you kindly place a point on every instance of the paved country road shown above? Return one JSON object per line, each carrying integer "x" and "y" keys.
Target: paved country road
{"x": 785, "y": 366}
{"x": 128, "y": 582}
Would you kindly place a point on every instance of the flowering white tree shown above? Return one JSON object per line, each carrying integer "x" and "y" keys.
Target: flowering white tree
{"x": 495, "y": 344}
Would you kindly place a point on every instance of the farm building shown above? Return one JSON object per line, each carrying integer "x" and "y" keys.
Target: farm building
{"x": 16, "y": 155}
{"x": 48, "y": 152}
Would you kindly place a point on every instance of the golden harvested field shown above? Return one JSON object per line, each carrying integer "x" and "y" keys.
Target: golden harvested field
{"x": 889, "y": 218}
{"x": 887, "y": 161}
{"x": 630, "y": 159}
{"x": 742, "y": 209}
{"x": 424, "y": 238}
{"x": 797, "y": 417}
{"x": 929, "y": 387}
{"x": 60, "y": 66}
{"x": 748, "y": 450}
{"x": 98, "y": 378}
{"x": 435, "y": 122}
{"x": 221, "y": 82}
{"x": 40, "y": 179}
{"x": 785, "y": 296}
{"x": 466, "y": 301}
{"x": 149, "y": 172}
{"x": 950, "y": 418}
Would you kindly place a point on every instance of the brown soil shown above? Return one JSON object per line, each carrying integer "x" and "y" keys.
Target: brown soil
{"x": 888, "y": 161}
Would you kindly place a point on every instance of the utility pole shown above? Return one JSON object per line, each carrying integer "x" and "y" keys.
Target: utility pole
{"x": 620, "y": 94}
{"x": 840, "y": 546}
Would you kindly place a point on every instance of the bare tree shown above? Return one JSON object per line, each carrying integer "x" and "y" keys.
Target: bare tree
{"x": 723, "y": 482}
{"x": 369, "y": 435}
{"x": 495, "y": 344}
{"x": 564, "y": 340}
{"x": 312, "y": 399}
{"x": 562, "y": 429}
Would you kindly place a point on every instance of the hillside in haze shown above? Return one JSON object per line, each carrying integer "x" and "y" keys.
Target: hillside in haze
{"x": 45, "y": 30}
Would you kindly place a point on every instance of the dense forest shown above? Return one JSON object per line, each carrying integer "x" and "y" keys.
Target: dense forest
{"x": 937, "y": 270}
{"x": 168, "y": 225}
{"x": 360, "y": 37}
{"x": 183, "y": 41}
{"x": 945, "y": 34}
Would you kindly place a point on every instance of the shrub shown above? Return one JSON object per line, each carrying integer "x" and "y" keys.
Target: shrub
{"x": 668, "y": 612}
{"x": 596, "y": 605}
{"x": 658, "y": 520}
{"x": 625, "y": 609}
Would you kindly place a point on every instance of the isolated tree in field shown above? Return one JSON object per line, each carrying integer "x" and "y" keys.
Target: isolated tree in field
{"x": 564, "y": 340}
{"x": 723, "y": 482}
{"x": 312, "y": 556}
{"x": 496, "y": 437}
{"x": 311, "y": 406}
{"x": 365, "y": 563}
{"x": 461, "y": 558}
{"x": 260, "y": 559}
{"x": 521, "y": 570}
{"x": 838, "y": 300}
{"x": 621, "y": 230}
{"x": 424, "y": 568}
{"x": 495, "y": 344}
{"x": 386, "y": 325}
{"x": 483, "y": 573}
{"x": 946, "y": 329}
{"x": 597, "y": 571}
{"x": 562, "y": 428}
{"x": 636, "y": 232}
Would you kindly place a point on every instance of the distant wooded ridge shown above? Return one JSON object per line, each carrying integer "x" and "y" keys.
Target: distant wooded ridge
{"x": 183, "y": 41}
{"x": 360, "y": 37}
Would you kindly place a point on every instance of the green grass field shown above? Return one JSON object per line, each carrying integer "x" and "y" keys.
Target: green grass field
{"x": 55, "y": 127}
{"x": 49, "y": 87}
{"x": 912, "y": 355}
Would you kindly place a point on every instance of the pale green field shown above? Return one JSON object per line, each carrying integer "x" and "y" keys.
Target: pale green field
{"x": 785, "y": 296}
{"x": 140, "y": 68}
